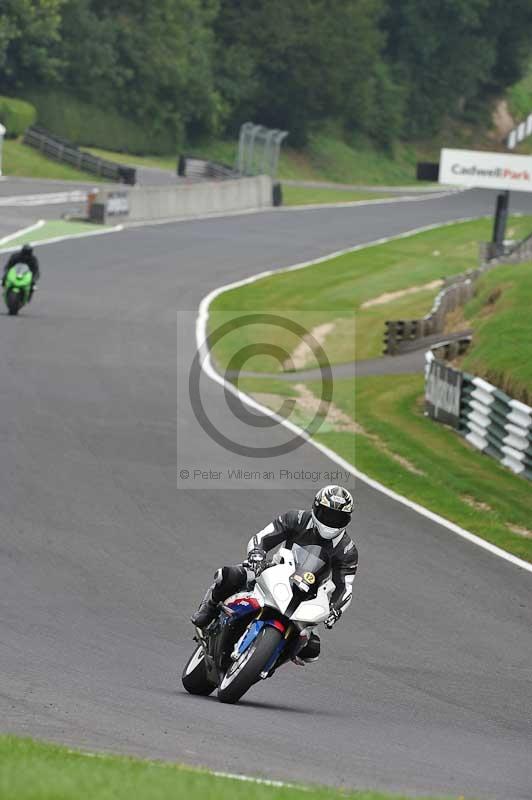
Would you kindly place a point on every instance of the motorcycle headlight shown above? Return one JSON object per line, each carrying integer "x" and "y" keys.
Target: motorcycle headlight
{"x": 281, "y": 593}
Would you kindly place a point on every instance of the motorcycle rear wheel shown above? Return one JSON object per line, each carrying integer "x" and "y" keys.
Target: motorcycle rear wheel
{"x": 194, "y": 677}
{"x": 242, "y": 674}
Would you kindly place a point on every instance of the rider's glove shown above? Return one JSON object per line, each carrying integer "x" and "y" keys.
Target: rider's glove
{"x": 333, "y": 618}
{"x": 256, "y": 559}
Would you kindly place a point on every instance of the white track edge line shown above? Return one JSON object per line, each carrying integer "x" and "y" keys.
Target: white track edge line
{"x": 207, "y": 367}
{"x": 21, "y": 232}
{"x": 233, "y": 776}
{"x": 55, "y": 239}
{"x": 379, "y": 201}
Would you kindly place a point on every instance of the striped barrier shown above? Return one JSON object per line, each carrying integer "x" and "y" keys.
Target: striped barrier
{"x": 489, "y": 419}
{"x": 522, "y": 131}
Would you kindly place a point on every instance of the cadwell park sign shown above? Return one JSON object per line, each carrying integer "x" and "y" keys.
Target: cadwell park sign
{"x": 485, "y": 170}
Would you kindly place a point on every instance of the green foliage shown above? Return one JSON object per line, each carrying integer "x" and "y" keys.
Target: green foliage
{"x": 297, "y": 60}
{"x": 86, "y": 124}
{"x": 29, "y": 39}
{"x": 16, "y": 115}
{"x": 152, "y": 62}
{"x": 451, "y": 55}
{"x": 520, "y": 96}
{"x": 195, "y": 69}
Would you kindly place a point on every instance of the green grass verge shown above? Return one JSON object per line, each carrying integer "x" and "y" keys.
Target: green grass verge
{"x": 500, "y": 316}
{"x": 396, "y": 444}
{"x": 31, "y": 770}
{"x": 160, "y": 162}
{"x": 327, "y": 158}
{"x": 335, "y": 290}
{"x": 53, "y": 228}
{"x": 309, "y": 195}
{"x": 21, "y": 161}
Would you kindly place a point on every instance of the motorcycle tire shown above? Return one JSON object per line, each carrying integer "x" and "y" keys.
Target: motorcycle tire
{"x": 13, "y": 303}
{"x": 242, "y": 674}
{"x": 194, "y": 677}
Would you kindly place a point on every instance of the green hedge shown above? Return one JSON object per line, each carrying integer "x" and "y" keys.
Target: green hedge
{"x": 89, "y": 125}
{"x": 16, "y": 115}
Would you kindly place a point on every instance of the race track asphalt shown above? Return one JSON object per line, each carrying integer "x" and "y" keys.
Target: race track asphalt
{"x": 424, "y": 687}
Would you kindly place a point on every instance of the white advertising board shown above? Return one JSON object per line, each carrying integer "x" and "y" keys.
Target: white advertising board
{"x": 486, "y": 170}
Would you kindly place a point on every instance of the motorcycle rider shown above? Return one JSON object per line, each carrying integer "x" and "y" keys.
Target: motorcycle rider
{"x": 324, "y": 525}
{"x": 24, "y": 256}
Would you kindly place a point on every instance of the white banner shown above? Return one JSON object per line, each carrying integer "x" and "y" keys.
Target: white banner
{"x": 486, "y": 170}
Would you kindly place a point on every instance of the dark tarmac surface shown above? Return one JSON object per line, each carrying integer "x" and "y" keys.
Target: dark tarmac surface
{"x": 424, "y": 687}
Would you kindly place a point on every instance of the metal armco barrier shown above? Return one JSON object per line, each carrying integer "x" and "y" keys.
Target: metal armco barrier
{"x": 62, "y": 150}
{"x": 401, "y": 335}
{"x": 201, "y": 169}
{"x": 488, "y": 418}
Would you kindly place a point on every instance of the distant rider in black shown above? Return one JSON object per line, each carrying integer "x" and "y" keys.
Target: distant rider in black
{"x": 324, "y": 525}
{"x": 24, "y": 256}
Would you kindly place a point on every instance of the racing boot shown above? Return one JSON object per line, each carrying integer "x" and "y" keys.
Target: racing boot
{"x": 206, "y": 612}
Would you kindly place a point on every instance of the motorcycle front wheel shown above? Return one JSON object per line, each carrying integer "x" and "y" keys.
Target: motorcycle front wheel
{"x": 194, "y": 677}
{"x": 244, "y": 672}
{"x": 13, "y": 302}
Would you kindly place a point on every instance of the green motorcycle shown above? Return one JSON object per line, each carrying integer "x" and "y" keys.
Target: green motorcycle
{"x": 17, "y": 289}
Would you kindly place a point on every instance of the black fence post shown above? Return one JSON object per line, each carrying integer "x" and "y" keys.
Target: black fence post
{"x": 499, "y": 224}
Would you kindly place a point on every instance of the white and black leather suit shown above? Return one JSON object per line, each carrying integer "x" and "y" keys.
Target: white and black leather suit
{"x": 296, "y": 527}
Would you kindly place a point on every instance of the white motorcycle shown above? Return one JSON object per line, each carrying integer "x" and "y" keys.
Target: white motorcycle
{"x": 255, "y": 632}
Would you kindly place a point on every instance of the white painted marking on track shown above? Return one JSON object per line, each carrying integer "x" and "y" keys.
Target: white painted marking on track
{"x": 22, "y": 232}
{"x": 67, "y": 236}
{"x": 207, "y": 367}
{"x": 44, "y": 199}
{"x": 179, "y": 767}
{"x": 379, "y": 201}
{"x": 263, "y": 781}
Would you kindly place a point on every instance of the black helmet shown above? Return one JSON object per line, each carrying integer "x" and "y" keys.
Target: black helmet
{"x": 331, "y": 511}
{"x": 27, "y": 250}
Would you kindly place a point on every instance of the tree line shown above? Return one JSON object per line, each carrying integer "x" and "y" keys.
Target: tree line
{"x": 386, "y": 68}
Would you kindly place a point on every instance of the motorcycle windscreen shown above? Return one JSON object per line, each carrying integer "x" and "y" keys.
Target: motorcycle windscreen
{"x": 312, "y": 567}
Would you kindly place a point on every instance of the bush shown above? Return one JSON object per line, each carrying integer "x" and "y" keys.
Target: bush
{"x": 16, "y": 115}
{"x": 89, "y": 125}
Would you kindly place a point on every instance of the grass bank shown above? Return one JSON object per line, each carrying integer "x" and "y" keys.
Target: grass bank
{"x": 326, "y": 158}
{"x": 378, "y": 424}
{"x": 21, "y": 161}
{"x": 341, "y": 293}
{"x": 32, "y": 770}
{"x": 499, "y": 314}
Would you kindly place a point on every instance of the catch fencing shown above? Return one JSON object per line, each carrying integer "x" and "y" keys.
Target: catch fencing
{"x": 489, "y": 419}
{"x": 67, "y": 153}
